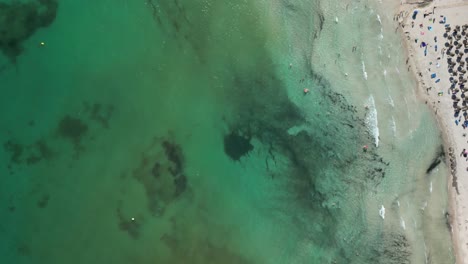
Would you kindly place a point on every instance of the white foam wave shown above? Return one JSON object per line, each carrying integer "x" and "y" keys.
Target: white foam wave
{"x": 430, "y": 187}
{"x": 397, "y": 70}
{"x": 393, "y": 126}
{"x": 371, "y": 120}
{"x": 381, "y": 28}
{"x": 424, "y": 206}
{"x": 364, "y": 70}
{"x": 390, "y": 100}
{"x": 385, "y": 73}
{"x": 402, "y": 223}
{"x": 382, "y": 212}
{"x": 398, "y": 203}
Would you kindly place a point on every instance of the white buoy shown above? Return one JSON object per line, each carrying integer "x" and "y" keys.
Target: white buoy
{"x": 133, "y": 219}
{"x": 336, "y": 20}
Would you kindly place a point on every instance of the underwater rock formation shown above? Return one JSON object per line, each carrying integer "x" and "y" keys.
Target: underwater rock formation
{"x": 20, "y": 20}
{"x": 161, "y": 172}
{"x": 236, "y": 145}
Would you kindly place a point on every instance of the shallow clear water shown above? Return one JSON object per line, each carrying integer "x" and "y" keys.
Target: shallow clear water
{"x": 178, "y": 132}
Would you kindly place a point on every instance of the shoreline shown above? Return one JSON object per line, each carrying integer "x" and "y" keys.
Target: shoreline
{"x": 441, "y": 105}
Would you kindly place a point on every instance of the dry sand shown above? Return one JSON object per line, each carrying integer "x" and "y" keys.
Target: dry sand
{"x": 455, "y": 139}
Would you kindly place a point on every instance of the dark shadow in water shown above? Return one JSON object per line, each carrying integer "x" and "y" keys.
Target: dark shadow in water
{"x": 39, "y": 151}
{"x": 440, "y": 156}
{"x": 72, "y": 129}
{"x": 128, "y": 225}
{"x": 23, "y": 250}
{"x": 394, "y": 249}
{"x": 161, "y": 172}
{"x": 19, "y": 20}
{"x": 187, "y": 247}
{"x": 237, "y": 145}
{"x": 43, "y": 201}
{"x": 15, "y": 149}
{"x": 99, "y": 113}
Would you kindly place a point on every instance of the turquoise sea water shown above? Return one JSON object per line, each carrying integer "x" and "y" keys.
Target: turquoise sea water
{"x": 178, "y": 132}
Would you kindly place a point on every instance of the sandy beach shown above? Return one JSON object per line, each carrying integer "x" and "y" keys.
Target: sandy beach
{"x": 436, "y": 57}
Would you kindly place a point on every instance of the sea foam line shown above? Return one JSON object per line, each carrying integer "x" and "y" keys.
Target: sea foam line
{"x": 382, "y": 212}
{"x": 371, "y": 120}
{"x": 393, "y": 126}
{"x": 364, "y": 70}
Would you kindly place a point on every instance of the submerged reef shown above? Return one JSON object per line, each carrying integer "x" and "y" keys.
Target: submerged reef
{"x": 19, "y": 20}
{"x": 72, "y": 129}
{"x": 162, "y": 174}
{"x": 237, "y": 145}
{"x": 75, "y": 130}
{"x": 189, "y": 246}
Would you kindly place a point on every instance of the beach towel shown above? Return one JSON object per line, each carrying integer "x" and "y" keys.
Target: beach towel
{"x": 433, "y": 76}
{"x": 415, "y": 13}
{"x": 438, "y": 80}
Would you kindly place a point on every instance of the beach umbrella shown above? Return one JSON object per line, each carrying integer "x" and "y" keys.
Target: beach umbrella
{"x": 445, "y": 35}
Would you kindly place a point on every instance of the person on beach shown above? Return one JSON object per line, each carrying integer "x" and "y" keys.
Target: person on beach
{"x": 463, "y": 151}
